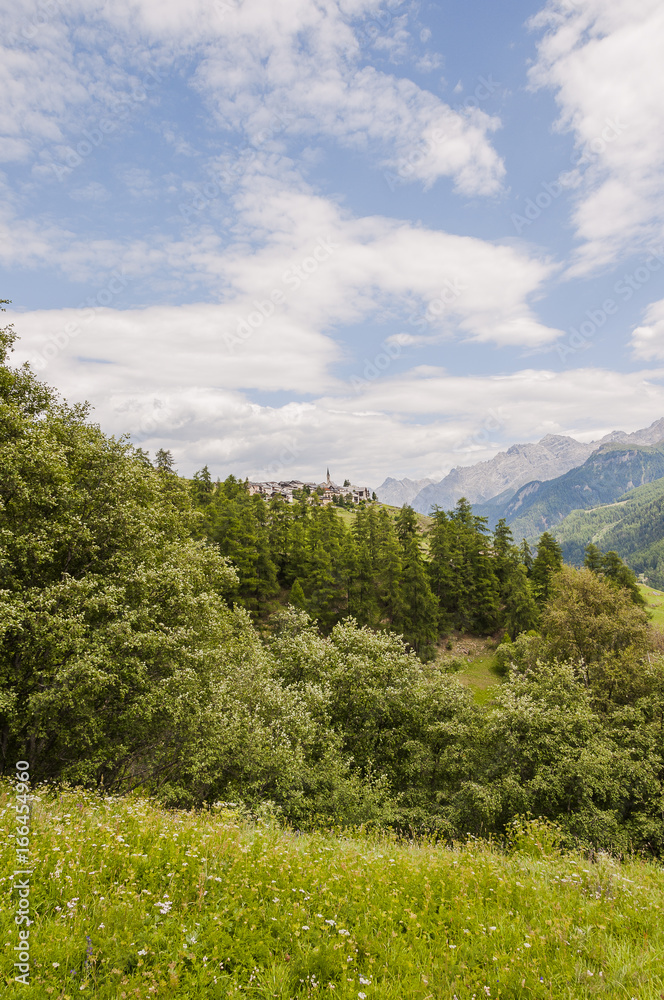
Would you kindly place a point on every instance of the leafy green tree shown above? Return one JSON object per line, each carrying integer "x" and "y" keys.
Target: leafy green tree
{"x": 110, "y": 614}
{"x": 592, "y": 623}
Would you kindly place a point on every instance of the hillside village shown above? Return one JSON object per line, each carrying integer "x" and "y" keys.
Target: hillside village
{"x": 327, "y": 492}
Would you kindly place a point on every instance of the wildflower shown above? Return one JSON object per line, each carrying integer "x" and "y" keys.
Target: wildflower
{"x": 346, "y": 933}
{"x": 365, "y": 982}
{"x": 56, "y": 965}
{"x": 527, "y": 944}
{"x": 143, "y": 951}
{"x": 332, "y": 923}
{"x": 101, "y": 927}
{"x": 362, "y": 996}
{"x": 305, "y": 927}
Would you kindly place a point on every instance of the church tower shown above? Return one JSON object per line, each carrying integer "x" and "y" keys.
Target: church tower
{"x": 329, "y": 481}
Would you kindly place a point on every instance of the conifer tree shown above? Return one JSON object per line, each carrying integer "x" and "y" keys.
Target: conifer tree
{"x": 418, "y": 612}
{"x": 547, "y": 562}
{"x": 296, "y": 596}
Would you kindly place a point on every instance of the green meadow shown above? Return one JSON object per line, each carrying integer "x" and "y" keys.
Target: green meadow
{"x": 131, "y": 900}
{"x": 654, "y": 604}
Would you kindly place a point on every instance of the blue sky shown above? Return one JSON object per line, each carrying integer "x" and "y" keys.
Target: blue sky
{"x": 388, "y": 237}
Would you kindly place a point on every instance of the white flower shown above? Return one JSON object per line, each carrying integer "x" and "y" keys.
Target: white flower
{"x": 142, "y": 951}
{"x": 275, "y": 900}
{"x": 305, "y": 927}
{"x": 101, "y": 927}
{"x": 362, "y": 996}
{"x": 365, "y": 982}
{"x": 56, "y": 965}
{"x": 527, "y": 944}
{"x": 332, "y": 923}
{"x": 346, "y": 933}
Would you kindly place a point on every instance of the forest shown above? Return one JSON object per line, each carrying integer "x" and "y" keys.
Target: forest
{"x": 179, "y": 637}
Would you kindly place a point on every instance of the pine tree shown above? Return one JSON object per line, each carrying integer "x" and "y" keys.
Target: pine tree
{"x": 441, "y": 572}
{"x": 164, "y": 461}
{"x": 548, "y": 561}
{"x": 202, "y": 487}
{"x": 296, "y": 596}
{"x": 526, "y": 556}
{"x": 417, "y": 618}
{"x": 518, "y": 610}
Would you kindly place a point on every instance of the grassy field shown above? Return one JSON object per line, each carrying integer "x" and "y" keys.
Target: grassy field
{"x": 655, "y": 604}
{"x": 129, "y": 900}
{"x": 475, "y": 663}
{"x": 481, "y": 675}
{"x": 348, "y": 516}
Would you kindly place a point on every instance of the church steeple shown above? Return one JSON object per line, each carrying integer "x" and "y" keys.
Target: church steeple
{"x": 329, "y": 481}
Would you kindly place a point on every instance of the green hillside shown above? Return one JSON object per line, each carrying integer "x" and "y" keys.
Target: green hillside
{"x": 609, "y": 473}
{"x": 633, "y": 527}
{"x": 131, "y": 900}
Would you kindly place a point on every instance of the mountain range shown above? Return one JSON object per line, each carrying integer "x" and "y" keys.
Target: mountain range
{"x": 606, "y": 475}
{"x": 493, "y": 483}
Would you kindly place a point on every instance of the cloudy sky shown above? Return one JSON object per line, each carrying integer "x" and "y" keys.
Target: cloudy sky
{"x": 388, "y": 237}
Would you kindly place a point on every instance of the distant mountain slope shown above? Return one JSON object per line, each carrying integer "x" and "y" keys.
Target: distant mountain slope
{"x": 633, "y": 527}
{"x": 544, "y": 459}
{"x": 399, "y": 492}
{"x": 610, "y": 472}
{"x": 506, "y": 472}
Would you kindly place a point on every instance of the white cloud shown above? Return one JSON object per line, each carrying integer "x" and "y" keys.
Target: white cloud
{"x": 648, "y": 339}
{"x": 604, "y": 61}
{"x": 162, "y": 375}
{"x": 253, "y": 59}
{"x": 331, "y": 267}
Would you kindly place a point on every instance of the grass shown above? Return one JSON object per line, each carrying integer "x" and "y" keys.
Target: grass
{"x": 348, "y": 516}
{"x": 474, "y": 661}
{"x": 130, "y": 900}
{"x": 482, "y": 676}
{"x": 655, "y": 604}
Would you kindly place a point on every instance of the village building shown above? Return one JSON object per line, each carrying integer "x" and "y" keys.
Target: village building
{"x": 326, "y": 491}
